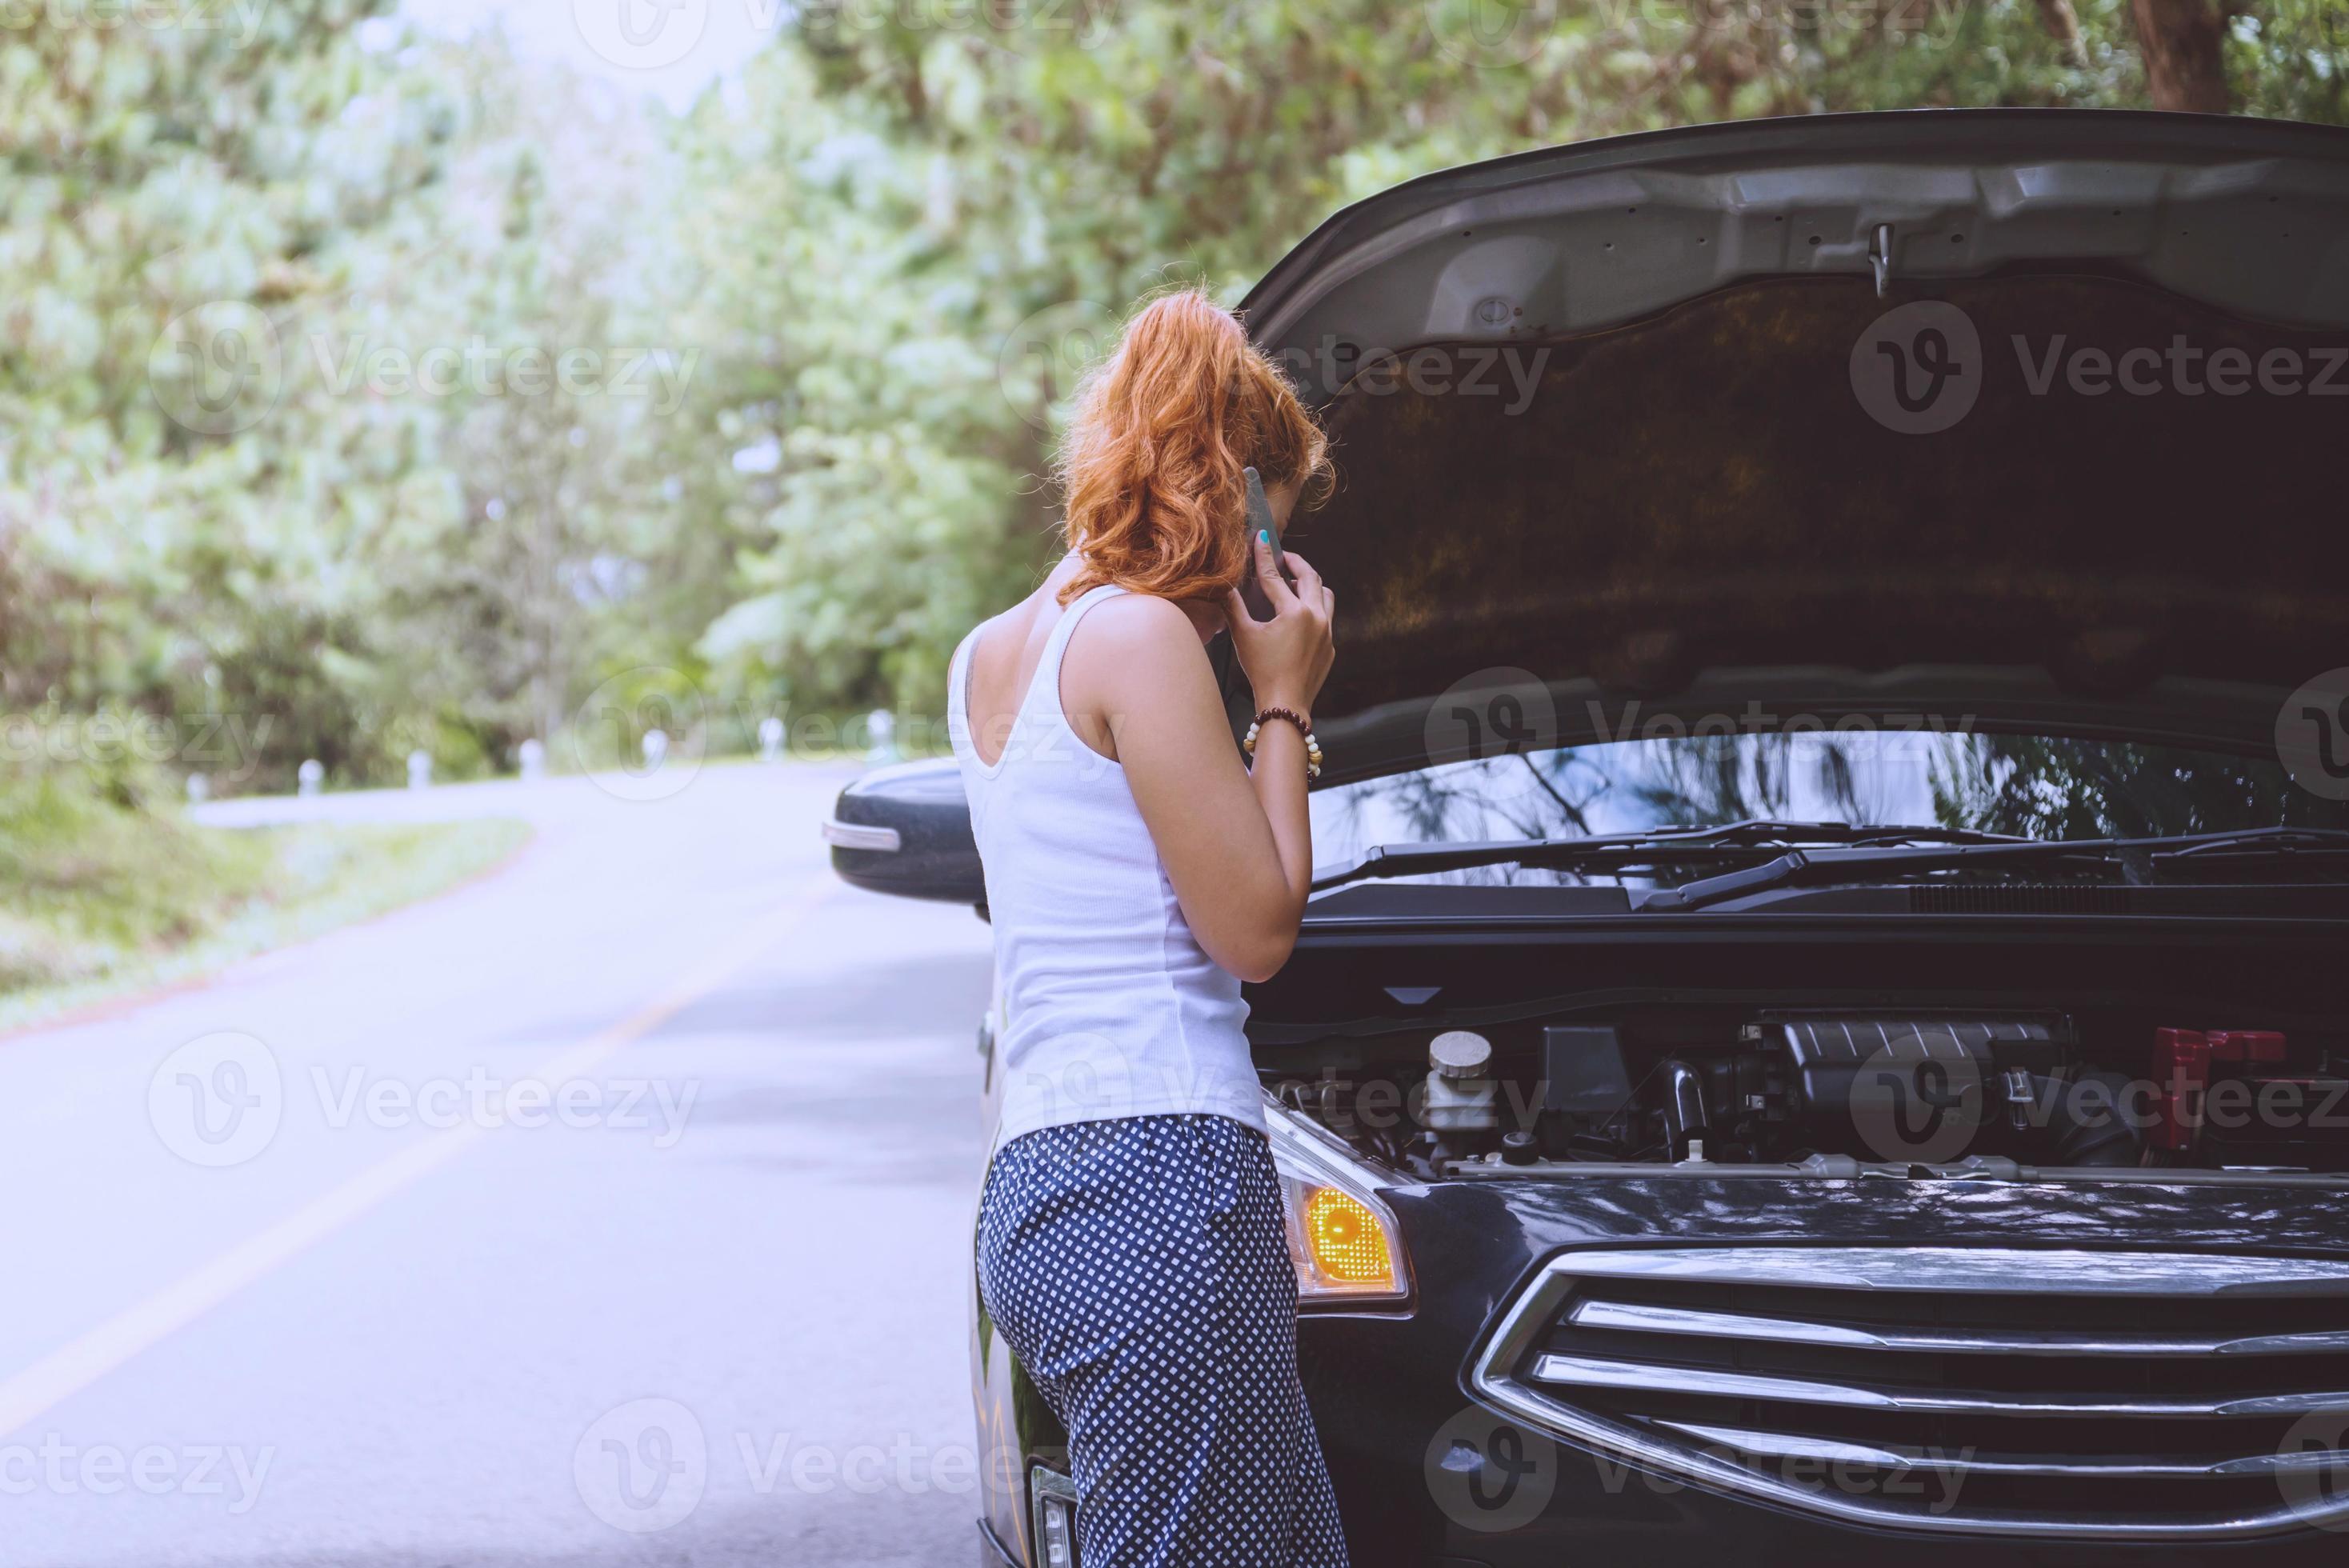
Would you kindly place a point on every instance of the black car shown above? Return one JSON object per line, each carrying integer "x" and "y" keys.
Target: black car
{"x": 1822, "y": 1032}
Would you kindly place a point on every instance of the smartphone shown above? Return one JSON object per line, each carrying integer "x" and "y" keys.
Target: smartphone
{"x": 1259, "y": 518}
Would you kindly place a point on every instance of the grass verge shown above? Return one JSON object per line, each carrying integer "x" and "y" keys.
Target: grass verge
{"x": 104, "y": 894}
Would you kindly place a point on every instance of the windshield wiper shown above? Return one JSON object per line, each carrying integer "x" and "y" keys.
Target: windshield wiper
{"x": 1789, "y": 854}
{"x": 1768, "y": 830}
{"x": 1730, "y": 840}
{"x": 1798, "y": 867}
{"x": 2279, "y": 840}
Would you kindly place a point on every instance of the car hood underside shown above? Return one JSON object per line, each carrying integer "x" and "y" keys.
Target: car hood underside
{"x": 1704, "y": 490}
{"x": 1623, "y": 441}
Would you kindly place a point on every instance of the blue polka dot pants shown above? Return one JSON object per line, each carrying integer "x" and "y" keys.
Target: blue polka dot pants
{"x": 1140, "y": 1270}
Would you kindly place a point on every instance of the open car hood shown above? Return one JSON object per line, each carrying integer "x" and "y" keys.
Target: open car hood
{"x": 1621, "y": 420}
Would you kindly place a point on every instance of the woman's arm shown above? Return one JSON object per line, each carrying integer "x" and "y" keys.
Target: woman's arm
{"x": 1237, "y": 846}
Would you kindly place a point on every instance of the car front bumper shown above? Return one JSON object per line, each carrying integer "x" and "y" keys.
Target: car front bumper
{"x": 1426, "y": 1474}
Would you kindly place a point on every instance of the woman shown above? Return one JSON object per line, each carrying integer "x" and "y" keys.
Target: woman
{"x": 1131, "y": 1247}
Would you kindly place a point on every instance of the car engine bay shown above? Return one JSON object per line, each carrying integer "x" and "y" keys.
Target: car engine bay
{"x": 1835, "y": 1091}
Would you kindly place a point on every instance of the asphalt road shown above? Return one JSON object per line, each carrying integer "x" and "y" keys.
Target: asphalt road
{"x": 612, "y": 1209}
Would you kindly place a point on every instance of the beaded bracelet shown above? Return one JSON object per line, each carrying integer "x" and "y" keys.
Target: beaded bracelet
{"x": 1304, "y": 727}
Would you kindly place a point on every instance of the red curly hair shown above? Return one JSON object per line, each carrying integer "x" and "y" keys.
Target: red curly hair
{"x": 1151, "y": 465}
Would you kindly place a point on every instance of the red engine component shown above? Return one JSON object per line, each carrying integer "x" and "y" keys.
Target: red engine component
{"x": 2184, "y": 1062}
{"x": 2181, "y": 1077}
{"x": 2246, "y": 1046}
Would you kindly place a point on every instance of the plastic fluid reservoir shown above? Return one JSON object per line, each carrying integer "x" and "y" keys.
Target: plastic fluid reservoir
{"x": 1461, "y": 1094}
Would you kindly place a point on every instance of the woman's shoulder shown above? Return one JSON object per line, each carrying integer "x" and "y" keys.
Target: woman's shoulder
{"x": 1138, "y": 615}
{"x": 1133, "y": 652}
{"x": 1138, "y": 630}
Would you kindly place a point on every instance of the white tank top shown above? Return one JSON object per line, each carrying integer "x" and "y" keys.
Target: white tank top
{"x": 1111, "y": 1008}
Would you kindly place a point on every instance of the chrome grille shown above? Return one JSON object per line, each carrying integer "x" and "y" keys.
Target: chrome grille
{"x": 2127, "y": 1395}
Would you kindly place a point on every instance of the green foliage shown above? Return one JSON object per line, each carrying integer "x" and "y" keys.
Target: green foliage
{"x": 2290, "y": 59}
{"x": 931, "y": 226}
{"x": 2048, "y": 788}
{"x": 282, "y": 431}
{"x": 280, "y": 439}
{"x": 97, "y": 862}
{"x": 109, "y": 886}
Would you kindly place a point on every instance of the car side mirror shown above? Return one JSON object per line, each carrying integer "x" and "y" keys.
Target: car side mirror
{"x": 906, "y": 831}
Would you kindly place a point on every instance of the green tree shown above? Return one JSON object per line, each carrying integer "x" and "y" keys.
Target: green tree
{"x": 286, "y": 425}
{"x": 912, "y": 235}
{"x": 848, "y": 293}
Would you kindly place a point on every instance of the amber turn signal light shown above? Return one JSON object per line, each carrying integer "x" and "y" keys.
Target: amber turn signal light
{"x": 1347, "y": 1239}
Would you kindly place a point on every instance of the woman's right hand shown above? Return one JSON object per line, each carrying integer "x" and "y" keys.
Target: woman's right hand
{"x": 1287, "y": 658}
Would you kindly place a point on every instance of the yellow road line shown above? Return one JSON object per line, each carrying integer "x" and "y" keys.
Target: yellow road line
{"x": 74, "y": 1366}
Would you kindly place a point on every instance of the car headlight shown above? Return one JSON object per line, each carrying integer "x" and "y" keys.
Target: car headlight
{"x": 1055, "y": 1499}
{"x": 1341, "y": 1234}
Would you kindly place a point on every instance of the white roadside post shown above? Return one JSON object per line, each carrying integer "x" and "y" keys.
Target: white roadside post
{"x": 883, "y": 725}
{"x": 533, "y": 760}
{"x": 419, "y": 769}
{"x": 310, "y": 778}
{"x": 771, "y": 740}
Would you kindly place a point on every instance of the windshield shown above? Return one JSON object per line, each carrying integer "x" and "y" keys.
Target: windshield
{"x": 2040, "y": 787}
